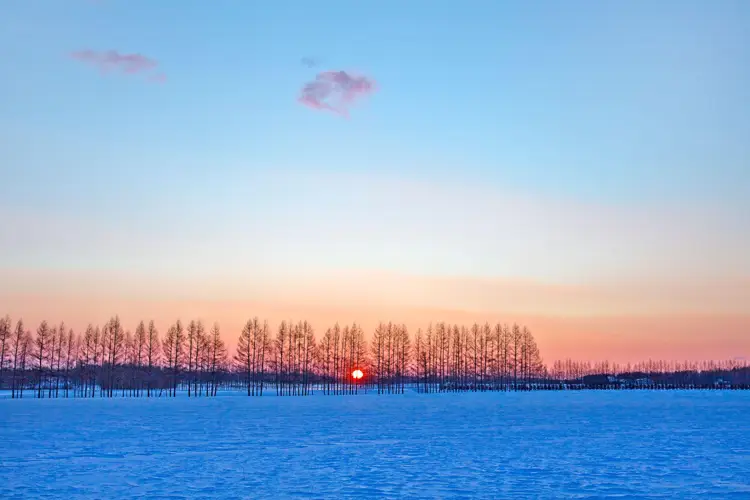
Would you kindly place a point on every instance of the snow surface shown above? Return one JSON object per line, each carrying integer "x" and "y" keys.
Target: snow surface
{"x": 631, "y": 444}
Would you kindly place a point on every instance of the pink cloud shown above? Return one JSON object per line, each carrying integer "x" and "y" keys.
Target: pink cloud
{"x": 112, "y": 60}
{"x": 335, "y": 91}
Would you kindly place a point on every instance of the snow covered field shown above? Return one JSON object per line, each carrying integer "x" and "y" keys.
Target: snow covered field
{"x": 593, "y": 444}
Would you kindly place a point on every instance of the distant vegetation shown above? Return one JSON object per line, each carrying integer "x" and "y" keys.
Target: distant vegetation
{"x": 109, "y": 361}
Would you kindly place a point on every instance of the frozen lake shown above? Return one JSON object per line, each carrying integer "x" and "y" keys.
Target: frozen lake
{"x": 638, "y": 444}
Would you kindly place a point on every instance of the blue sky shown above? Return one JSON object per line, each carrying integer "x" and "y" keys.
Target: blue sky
{"x": 577, "y": 99}
{"x": 582, "y": 103}
{"x": 520, "y": 159}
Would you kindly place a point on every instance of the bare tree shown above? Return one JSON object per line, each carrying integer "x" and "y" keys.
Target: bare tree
{"x": 100, "y": 342}
{"x": 403, "y": 356}
{"x": 5, "y": 333}
{"x": 244, "y": 356}
{"x": 26, "y": 348}
{"x": 104, "y": 342}
{"x": 41, "y": 353}
{"x": 378, "y": 347}
{"x": 263, "y": 346}
{"x": 517, "y": 342}
{"x": 200, "y": 357}
{"x": 89, "y": 357}
{"x": 57, "y": 351}
{"x": 127, "y": 374}
{"x": 420, "y": 362}
{"x": 505, "y": 352}
{"x": 178, "y": 353}
{"x": 280, "y": 350}
{"x": 70, "y": 356}
{"x": 251, "y": 354}
{"x": 152, "y": 354}
{"x": 18, "y": 343}
{"x": 140, "y": 348}
{"x": 192, "y": 343}
{"x": 218, "y": 356}
{"x": 116, "y": 345}
{"x": 359, "y": 354}
{"x": 168, "y": 348}
{"x": 325, "y": 359}
{"x": 173, "y": 353}
{"x": 86, "y": 354}
{"x": 51, "y": 360}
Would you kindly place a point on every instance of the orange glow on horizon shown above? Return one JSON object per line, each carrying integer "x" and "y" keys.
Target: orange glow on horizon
{"x": 632, "y": 324}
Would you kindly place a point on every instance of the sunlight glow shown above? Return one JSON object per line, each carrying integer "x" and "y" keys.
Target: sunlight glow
{"x": 357, "y": 374}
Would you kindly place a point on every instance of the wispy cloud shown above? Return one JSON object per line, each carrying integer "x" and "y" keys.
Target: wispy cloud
{"x": 112, "y": 60}
{"x": 335, "y": 91}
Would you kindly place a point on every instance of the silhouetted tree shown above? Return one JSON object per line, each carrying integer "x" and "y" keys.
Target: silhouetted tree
{"x": 24, "y": 356}
{"x": 41, "y": 353}
{"x": 172, "y": 348}
{"x": 70, "y": 356}
{"x": 217, "y": 356}
{"x": 87, "y": 361}
{"x": 200, "y": 357}
{"x": 444, "y": 357}
{"x": 251, "y": 354}
{"x": 244, "y": 356}
{"x": 19, "y": 345}
{"x": 153, "y": 348}
{"x": 5, "y": 333}
{"x": 140, "y": 351}
{"x": 192, "y": 344}
{"x": 115, "y": 347}
{"x": 56, "y": 357}
{"x": 280, "y": 350}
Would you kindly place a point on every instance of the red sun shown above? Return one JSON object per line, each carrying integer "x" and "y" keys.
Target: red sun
{"x": 357, "y": 374}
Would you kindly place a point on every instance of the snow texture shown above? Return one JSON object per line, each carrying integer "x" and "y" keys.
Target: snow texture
{"x": 628, "y": 444}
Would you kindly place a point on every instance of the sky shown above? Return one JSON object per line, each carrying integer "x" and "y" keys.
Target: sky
{"x": 579, "y": 167}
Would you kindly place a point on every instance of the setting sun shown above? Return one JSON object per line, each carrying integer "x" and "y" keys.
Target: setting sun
{"x": 357, "y": 374}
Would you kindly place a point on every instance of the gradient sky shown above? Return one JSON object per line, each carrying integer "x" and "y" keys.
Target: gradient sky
{"x": 582, "y": 167}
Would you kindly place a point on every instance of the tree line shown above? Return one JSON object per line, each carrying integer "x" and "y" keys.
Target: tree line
{"x": 107, "y": 360}
{"x": 291, "y": 360}
{"x": 658, "y": 374}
